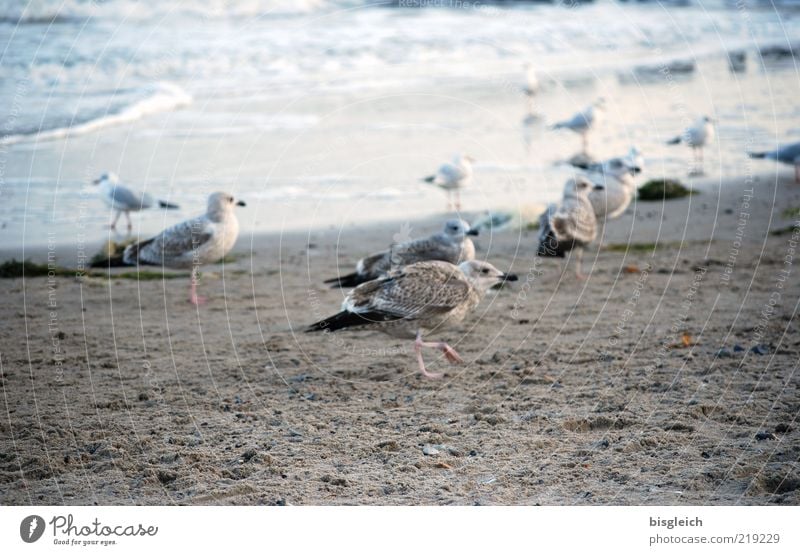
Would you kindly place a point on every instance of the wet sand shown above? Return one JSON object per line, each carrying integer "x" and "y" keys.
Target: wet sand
{"x": 668, "y": 377}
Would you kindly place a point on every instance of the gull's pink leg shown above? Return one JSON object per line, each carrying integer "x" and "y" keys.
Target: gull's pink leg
{"x": 193, "y": 297}
{"x": 418, "y": 350}
{"x": 418, "y": 344}
{"x": 128, "y": 217}
{"x": 116, "y": 217}
{"x": 449, "y": 353}
{"x": 458, "y": 200}
{"x": 578, "y": 263}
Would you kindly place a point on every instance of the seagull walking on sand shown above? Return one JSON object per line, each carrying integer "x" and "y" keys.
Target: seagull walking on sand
{"x": 571, "y": 226}
{"x": 788, "y": 154}
{"x": 452, "y": 177}
{"x": 192, "y": 243}
{"x": 121, "y": 199}
{"x": 698, "y": 135}
{"x": 452, "y": 244}
{"x": 584, "y": 121}
{"x": 410, "y": 301}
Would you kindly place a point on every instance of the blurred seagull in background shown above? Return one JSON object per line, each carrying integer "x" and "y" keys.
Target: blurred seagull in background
{"x": 788, "y": 154}
{"x": 696, "y": 136}
{"x": 570, "y": 226}
{"x": 121, "y": 199}
{"x": 531, "y": 86}
{"x": 408, "y": 302}
{"x": 189, "y": 244}
{"x": 452, "y": 177}
{"x": 452, "y": 244}
{"x": 584, "y": 121}
{"x": 614, "y": 184}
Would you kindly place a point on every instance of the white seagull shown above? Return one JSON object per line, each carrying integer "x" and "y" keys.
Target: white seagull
{"x": 614, "y": 184}
{"x": 696, "y": 136}
{"x": 121, "y": 199}
{"x": 584, "y": 121}
{"x": 788, "y": 154}
{"x": 452, "y": 177}
{"x": 412, "y": 300}
{"x": 189, "y": 244}
{"x": 531, "y": 86}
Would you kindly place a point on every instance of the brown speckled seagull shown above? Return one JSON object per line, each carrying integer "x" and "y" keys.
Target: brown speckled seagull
{"x": 571, "y": 226}
{"x": 410, "y": 301}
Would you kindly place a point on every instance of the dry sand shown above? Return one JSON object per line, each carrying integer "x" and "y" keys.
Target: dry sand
{"x": 609, "y": 391}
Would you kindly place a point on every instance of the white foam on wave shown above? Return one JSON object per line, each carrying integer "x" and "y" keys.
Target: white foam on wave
{"x": 164, "y": 97}
{"x": 46, "y": 11}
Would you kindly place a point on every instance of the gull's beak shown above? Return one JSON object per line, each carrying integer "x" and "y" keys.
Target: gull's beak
{"x": 473, "y": 231}
{"x": 509, "y": 277}
{"x": 241, "y": 203}
{"x": 636, "y": 170}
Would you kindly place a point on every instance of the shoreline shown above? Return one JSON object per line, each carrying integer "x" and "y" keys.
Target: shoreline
{"x": 704, "y": 215}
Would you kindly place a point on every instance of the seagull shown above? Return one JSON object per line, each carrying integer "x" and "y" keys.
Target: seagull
{"x": 584, "y": 121}
{"x": 788, "y": 154}
{"x": 124, "y": 200}
{"x": 191, "y": 243}
{"x": 452, "y": 177}
{"x": 572, "y": 225}
{"x": 452, "y": 245}
{"x": 697, "y": 136}
{"x": 531, "y": 86}
{"x": 410, "y": 301}
{"x": 614, "y": 187}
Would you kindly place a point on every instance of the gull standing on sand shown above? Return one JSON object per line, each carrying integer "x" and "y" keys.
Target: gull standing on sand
{"x": 572, "y": 225}
{"x": 124, "y": 200}
{"x": 584, "y": 121}
{"x": 189, "y": 244}
{"x": 788, "y": 154}
{"x": 696, "y": 136}
{"x": 411, "y": 301}
{"x": 452, "y": 177}
{"x": 451, "y": 245}
{"x": 614, "y": 184}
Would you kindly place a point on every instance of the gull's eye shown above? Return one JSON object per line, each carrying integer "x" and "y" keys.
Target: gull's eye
{"x": 485, "y": 271}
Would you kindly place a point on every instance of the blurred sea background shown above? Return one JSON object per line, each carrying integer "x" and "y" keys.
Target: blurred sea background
{"x": 327, "y": 113}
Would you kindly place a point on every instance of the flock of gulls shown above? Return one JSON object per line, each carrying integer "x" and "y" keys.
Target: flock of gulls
{"x": 419, "y": 286}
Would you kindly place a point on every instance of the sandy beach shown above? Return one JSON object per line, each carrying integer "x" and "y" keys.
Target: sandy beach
{"x": 668, "y": 377}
